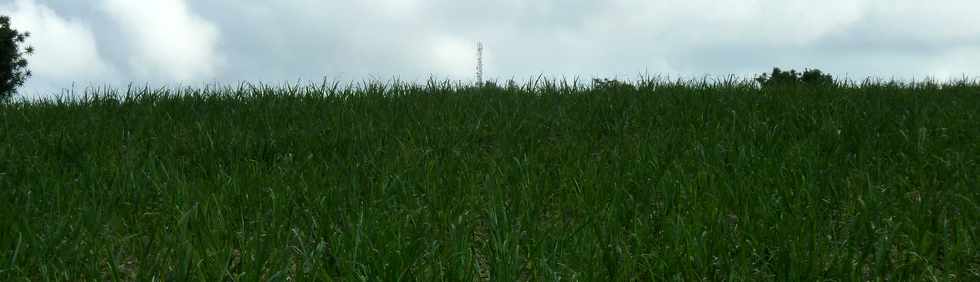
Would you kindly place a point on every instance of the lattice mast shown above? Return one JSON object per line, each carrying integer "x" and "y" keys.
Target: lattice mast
{"x": 479, "y": 64}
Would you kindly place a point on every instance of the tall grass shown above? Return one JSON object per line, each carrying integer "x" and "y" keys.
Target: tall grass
{"x": 543, "y": 180}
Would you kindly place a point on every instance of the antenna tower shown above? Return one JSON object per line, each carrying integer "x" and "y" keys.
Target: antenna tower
{"x": 479, "y": 64}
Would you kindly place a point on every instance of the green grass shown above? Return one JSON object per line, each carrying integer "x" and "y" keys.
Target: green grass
{"x": 542, "y": 181}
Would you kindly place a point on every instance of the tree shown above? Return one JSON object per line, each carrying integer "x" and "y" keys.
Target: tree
{"x": 791, "y": 78}
{"x": 13, "y": 65}
{"x": 817, "y": 78}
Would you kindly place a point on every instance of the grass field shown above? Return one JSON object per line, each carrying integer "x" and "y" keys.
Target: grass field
{"x": 546, "y": 181}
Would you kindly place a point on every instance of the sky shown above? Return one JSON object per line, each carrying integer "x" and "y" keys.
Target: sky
{"x": 94, "y": 43}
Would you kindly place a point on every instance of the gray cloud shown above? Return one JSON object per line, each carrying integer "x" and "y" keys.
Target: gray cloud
{"x": 229, "y": 41}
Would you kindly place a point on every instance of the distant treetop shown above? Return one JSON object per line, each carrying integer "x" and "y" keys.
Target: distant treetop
{"x": 792, "y": 78}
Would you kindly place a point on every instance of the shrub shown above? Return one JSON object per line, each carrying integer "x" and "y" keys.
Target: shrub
{"x": 792, "y": 78}
{"x": 13, "y": 65}
{"x": 611, "y": 84}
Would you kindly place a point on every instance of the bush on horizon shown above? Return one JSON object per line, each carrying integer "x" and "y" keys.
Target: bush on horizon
{"x": 808, "y": 78}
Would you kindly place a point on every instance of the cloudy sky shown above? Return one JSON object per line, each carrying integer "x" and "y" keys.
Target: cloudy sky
{"x": 98, "y": 42}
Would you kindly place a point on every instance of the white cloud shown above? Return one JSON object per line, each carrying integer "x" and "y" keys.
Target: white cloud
{"x": 168, "y": 41}
{"x": 954, "y": 63}
{"x": 926, "y": 20}
{"x": 451, "y": 56}
{"x": 66, "y": 50}
{"x": 784, "y": 22}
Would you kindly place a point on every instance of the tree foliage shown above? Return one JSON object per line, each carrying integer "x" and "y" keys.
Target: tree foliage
{"x": 611, "y": 84}
{"x": 13, "y": 65}
{"x": 792, "y": 78}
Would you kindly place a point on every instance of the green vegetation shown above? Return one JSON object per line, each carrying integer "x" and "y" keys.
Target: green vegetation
{"x": 651, "y": 180}
{"x": 808, "y": 78}
{"x": 13, "y": 65}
